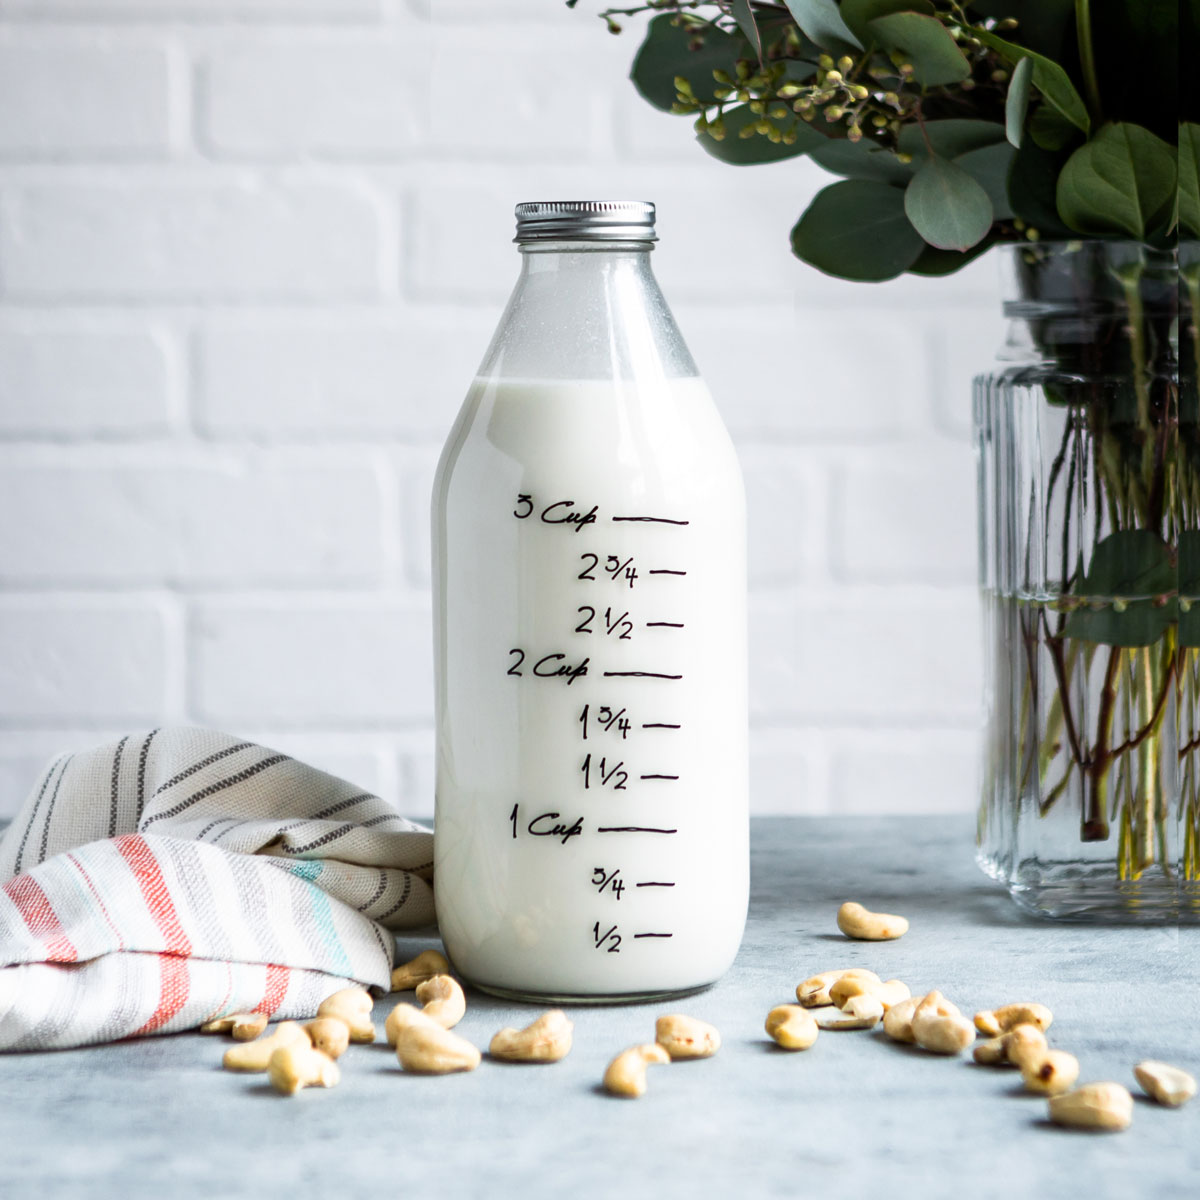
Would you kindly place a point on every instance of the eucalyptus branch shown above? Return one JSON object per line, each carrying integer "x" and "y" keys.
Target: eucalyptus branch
{"x": 1087, "y": 59}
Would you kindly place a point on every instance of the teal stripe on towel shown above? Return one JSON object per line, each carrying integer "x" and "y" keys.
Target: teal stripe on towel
{"x": 310, "y": 870}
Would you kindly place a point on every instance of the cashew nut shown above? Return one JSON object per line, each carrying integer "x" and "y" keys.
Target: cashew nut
{"x": 425, "y": 966}
{"x": 425, "y": 1047}
{"x": 626, "y": 1074}
{"x": 294, "y": 1067}
{"x": 442, "y": 1000}
{"x": 1024, "y": 1044}
{"x": 548, "y": 1039}
{"x": 814, "y": 992}
{"x": 399, "y": 1019}
{"x": 889, "y": 993}
{"x": 859, "y": 1012}
{"x": 244, "y": 1026}
{"x": 858, "y": 922}
{"x": 897, "y": 1020}
{"x": 352, "y": 1005}
{"x": 792, "y": 1027}
{"x": 994, "y": 1022}
{"x": 1167, "y": 1084}
{"x": 256, "y": 1055}
{"x": 991, "y": 1053}
{"x": 1021, "y": 1046}
{"x": 1106, "y": 1106}
{"x": 330, "y": 1035}
{"x": 1051, "y": 1075}
{"x": 938, "y": 1026}
{"x": 686, "y": 1037}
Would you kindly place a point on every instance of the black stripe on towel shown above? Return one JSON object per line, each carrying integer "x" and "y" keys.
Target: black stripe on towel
{"x": 208, "y": 762}
{"x": 341, "y": 831}
{"x": 50, "y": 811}
{"x": 33, "y": 815}
{"x": 116, "y": 779}
{"x": 213, "y": 788}
{"x": 342, "y": 804}
{"x": 141, "y": 799}
{"x": 383, "y": 882}
{"x": 391, "y": 912}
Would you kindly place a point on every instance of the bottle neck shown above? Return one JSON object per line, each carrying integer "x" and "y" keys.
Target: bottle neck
{"x": 587, "y": 310}
{"x": 576, "y": 264}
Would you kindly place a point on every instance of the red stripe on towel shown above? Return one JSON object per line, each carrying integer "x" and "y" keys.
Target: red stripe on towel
{"x": 32, "y": 903}
{"x": 277, "y": 985}
{"x": 140, "y": 857}
{"x": 173, "y": 992}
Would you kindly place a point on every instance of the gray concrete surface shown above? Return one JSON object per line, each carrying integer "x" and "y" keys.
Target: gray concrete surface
{"x": 855, "y": 1115}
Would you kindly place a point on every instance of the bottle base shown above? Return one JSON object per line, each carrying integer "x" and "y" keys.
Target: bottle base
{"x": 553, "y": 997}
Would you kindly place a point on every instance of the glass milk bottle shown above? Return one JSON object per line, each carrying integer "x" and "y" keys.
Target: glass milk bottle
{"x": 590, "y": 637}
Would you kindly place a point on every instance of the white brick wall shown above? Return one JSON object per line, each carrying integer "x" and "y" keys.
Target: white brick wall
{"x": 250, "y": 251}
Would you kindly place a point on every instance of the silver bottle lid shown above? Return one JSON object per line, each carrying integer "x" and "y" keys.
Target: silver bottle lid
{"x": 585, "y": 221}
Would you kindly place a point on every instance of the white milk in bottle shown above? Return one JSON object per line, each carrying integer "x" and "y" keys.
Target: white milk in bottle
{"x": 590, "y": 637}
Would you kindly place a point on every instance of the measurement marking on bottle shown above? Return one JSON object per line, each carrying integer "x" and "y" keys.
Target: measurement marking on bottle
{"x": 664, "y": 571}
{"x": 658, "y": 776}
{"x": 659, "y": 725}
{"x": 608, "y": 938}
{"x": 610, "y": 721}
{"x": 653, "y": 883}
{"x": 632, "y": 829}
{"x": 654, "y": 520}
{"x": 639, "y": 675}
{"x": 664, "y": 624}
{"x": 642, "y": 935}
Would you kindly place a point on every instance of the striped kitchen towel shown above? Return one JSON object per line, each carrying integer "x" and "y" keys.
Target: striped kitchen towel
{"x": 178, "y": 875}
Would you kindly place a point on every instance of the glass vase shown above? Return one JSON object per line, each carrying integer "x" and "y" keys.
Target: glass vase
{"x": 1089, "y": 532}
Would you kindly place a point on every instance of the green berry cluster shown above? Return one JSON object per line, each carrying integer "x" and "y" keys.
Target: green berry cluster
{"x": 870, "y": 96}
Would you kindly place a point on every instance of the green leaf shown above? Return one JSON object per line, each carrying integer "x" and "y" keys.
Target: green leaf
{"x": 861, "y": 160}
{"x": 948, "y": 208}
{"x": 989, "y": 167}
{"x": 821, "y": 22}
{"x": 1032, "y": 180}
{"x": 1050, "y": 129}
{"x": 750, "y": 151}
{"x": 1189, "y": 179}
{"x": 926, "y": 43}
{"x": 856, "y": 13}
{"x": 1123, "y": 181}
{"x": 743, "y": 14}
{"x": 1048, "y": 77}
{"x": 936, "y": 263}
{"x": 1016, "y": 103}
{"x": 949, "y": 138}
{"x": 665, "y": 53}
{"x": 1132, "y": 567}
{"x": 857, "y": 229}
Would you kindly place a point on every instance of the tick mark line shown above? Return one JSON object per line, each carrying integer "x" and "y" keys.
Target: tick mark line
{"x": 664, "y": 571}
{"x": 655, "y": 520}
{"x": 639, "y": 675}
{"x": 658, "y": 776}
{"x": 653, "y": 883}
{"x": 632, "y": 829}
{"x": 664, "y": 624}
{"x": 660, "y": 725}
{"x": 642, "y": 935}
